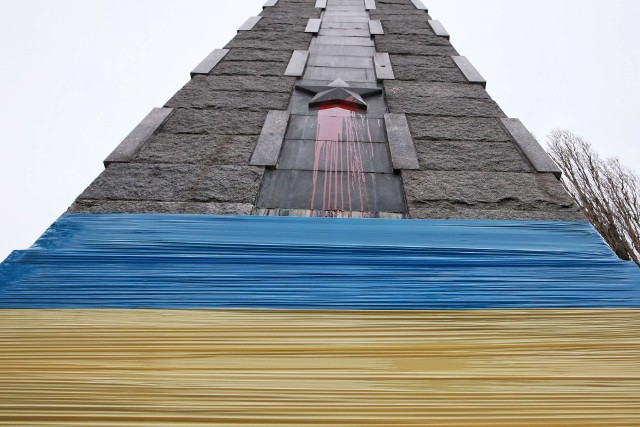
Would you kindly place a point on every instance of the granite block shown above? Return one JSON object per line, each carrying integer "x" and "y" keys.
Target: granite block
{"x": 198, "y": 149}
{"x": 426, "y": 69}
{"x": 293, "y": 189}
{"x": 336, "y": 61}
{"x": 343, "y": 41}
{"x": 218, "y": 99}
{"x": 531, "y": 148}
{"x": 313, "y": 26}
{"x": 270, "y": 141}
{"x": 210, "y": 83}
{"x": 404, "y": 89}
{"x": 344, "y": 33}
{"x": 176, "y": 183}
{"x": 419, "y": 5}
{"x": 456, "y": 212}
{"x": 271, "y": 40}
{"x": 347, "y": 74}
{"x": 445, "y": 106}
{"x": 258, "y": 55}
{"x": 337, "y": 50}
{"x": 439, "y": 29}
{"x": 370, "y": 4}
{"x": 345, "y": 25}
{"x": 134, "y": 142}
{"x": 215, "y": 122}
{"x": 401, "y": 148}
{"x": 486, "y": 190}
{"x": 210, "y": 62}
{"x": 470, "y": 72}
{"x": 146, "y": 206}
{"x": 335, "y": 156}
{"x": 403, "y": 48}
{"x": 470, "y": 156}
{"x": 297, "y": 64}
{"x": 250, "y": 23}
{"x": 250, "y": 68}
{"x": 457, "y": 128}
{"x": 366, "y": 130}
{"x": 383, "y": 68}
{"x": 375, "y": 27}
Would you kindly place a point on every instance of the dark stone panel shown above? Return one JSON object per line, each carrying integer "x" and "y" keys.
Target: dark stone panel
{"x": 299, "y": 104}
{"x": 399, "y": 43}
{"x": 249, "y": 54}
{"x": 198, "y": 149}
{"x": 251, "y": 101}
{"x": 367, "y": 130}
{"x": 215, "y": 122}
{"x": 426, "y": 69}
{"x": 338, "y": 50}
{"x": 404, "y": 48}
{"x": 346, "y": 25}
{"x": 291, "y": 189}
{"x": 445, "y": 106}
{"x": 176, "y": 183}
{"x": 486, "y": 190}
{"x": 239, "y": 83}
{"x": 393, "y": 2}
{"x": 470, "y": 156}
{"x": 145, "y": 206}
{"x": 457, "y": 128}
{"x": 335, "y": 156}
{"x": 250, "y": 68}
{"x": 281, "y": 24}
{"x": 465, "y": 213}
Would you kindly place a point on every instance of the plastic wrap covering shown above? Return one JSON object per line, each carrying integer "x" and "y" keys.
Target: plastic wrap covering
{"x": 190, "y": 261}
{"x": 188, "y": 368}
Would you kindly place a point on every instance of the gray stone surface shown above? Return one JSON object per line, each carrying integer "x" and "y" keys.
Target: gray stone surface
{"x": 336, "y": 61}
{"x": 449, "y": 190}
{"x": 531, "y": 148}
{"x": 176, "y": 183}
{"x": 332, "y": 73}
{"x": 250, "y": 68}
{"x": 299, "y": 104}
{"x": 145, "y": 206}
{"x": 239, "y": 83}
{"x": 346, "y": 19}
{"x": 250, "y": 23}
{"x": 439, "y": 29}
{"x": 470, "y": 72}
{"x": 343, "y": 41}
{"x": 445, "y": 106}
{"x": 345, "y": 25}
{"x": 457, "y": 128}
{"x": 293, "y": 189}
{"x": 210, "y": 62}
{"x": 470, "y": 156}
{"x": 384, "y": 70}
{"x": 343, "y": 32}
{"x": 426, "y": 69}
{"x": 214, "y": 122}
{"x": 367, "y": 130}
{"x": 337, "y": 50}
{"x": 465, "y": 213}
{"x": 375, "y": 27}
{"x": 334, "y": 156}
{"x": 419, "y": 5}
{"x": 313, "y": 26}
{"x": 218, "y": 99}
{"x": 270, "y": 141}
{"x": 403, "y": 152}
{"x": 321, "y": 4}
{"x": 270, "y": 3}
{"x": 198, "y": 149}
{"x": 253, "y": 55}
{"x": 270, "y": 40}
{"x": 297, "y": 64}
{"x": 134, "y": 142}
{"x": 394, "y": 45}
{"x": 405, "y": 89}
{"x": 370, "y": 4}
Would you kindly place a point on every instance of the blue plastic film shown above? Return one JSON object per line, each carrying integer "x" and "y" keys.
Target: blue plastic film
{"x": 201, "y": 261}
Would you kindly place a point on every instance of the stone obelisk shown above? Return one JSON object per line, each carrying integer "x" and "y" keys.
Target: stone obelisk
{"x": 331, "y": 224}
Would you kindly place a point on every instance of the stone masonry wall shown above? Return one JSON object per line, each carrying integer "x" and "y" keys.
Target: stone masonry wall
{"x": 198, "y": 161}
{"x": 470, "y": 167}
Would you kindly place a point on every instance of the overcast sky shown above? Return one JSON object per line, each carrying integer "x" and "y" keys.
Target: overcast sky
{"x": 76, "y": 76}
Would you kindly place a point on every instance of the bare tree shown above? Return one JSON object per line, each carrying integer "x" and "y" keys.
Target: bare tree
{"x": 608, "y": 192}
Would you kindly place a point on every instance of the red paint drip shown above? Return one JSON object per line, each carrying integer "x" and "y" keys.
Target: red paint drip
{"x": 340, "y": 150}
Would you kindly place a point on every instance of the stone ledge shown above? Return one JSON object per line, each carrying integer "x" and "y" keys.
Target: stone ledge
{"x": 126, "y": 206}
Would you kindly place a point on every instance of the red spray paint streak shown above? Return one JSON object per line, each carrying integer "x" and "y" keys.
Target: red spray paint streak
{"x": 339, "y": 151}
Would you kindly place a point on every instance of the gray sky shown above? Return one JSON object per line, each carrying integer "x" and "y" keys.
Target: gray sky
{"x": 77, "y": 75}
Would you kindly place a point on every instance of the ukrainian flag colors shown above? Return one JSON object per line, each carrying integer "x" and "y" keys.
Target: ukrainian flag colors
{"x": 147, "y": 320}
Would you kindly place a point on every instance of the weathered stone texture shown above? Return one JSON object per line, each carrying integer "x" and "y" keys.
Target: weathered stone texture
{"x": 250, "y": 68}
{"x": 210, "y": 83}
{"x": 253, "y": 54}
{"x": 457, "y": 128}
{"x": 198, "y": 149}
{"x": 270, "y": 40}
{"x": 426, "y": 69}
{"x": 449, "y": 191}
{"x": 403, "y": 48}
{"x": 176, "y": 183}
{"x": 463, "y": 213}
{"x": 127, "y": 206}
{"x": 215, "y": 122}
{"x": 250, "y": 101}
{"x": 470, "y": 156}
